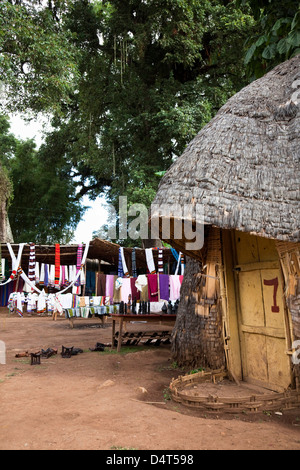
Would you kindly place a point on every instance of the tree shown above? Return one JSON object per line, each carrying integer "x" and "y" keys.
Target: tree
{"x": 151, "y": 75}
{"x": 275, "y": 38}
{"x": 44, "y": 207}
{"x": 37, "y": 60}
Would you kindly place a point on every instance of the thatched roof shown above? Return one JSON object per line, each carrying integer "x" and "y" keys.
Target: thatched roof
{"x": 243, "y": 167}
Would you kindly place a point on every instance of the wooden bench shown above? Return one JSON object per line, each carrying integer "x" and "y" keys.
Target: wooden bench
{"x": 146, "y": 337}
{"x": 129, "y": 338}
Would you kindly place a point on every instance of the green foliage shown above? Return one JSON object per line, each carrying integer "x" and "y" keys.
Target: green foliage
{"x": 37, "y": 61}
{"x": 152, "y": 75}
{"x": 44, "y": 208}
{"x": 276, "y": 37}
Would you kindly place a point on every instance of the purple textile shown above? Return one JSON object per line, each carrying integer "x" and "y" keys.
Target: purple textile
{"x": 164, "y": 287}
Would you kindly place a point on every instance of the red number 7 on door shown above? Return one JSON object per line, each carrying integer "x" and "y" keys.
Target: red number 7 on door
{"x": 275, "y": 284}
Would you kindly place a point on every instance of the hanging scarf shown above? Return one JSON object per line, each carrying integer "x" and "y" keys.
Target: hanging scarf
{"x": 16, "y": 269}
{"x": 178, "y": 263}
{"x": 150, "y": 260}
{"x": 124, "y": 266}
{"x": 120, "y": 265}
{"x": 182, "y": 264}
{"x": 31, "y": 266}
{"x": 42, "y": 274}
{"x": 57, "y": 265}
{"x": 19, "y": 305}
{"x": 78, "y": 266}
{"x": 46, "y": 279}
{"x": 160, "y": 261}
{"x": 37, "y": 273}
{"x": 133, "y": 260}
{"x": 2, "y": 276}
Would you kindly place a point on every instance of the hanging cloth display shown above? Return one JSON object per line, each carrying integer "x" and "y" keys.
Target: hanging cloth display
{"x": 178, "y": 264}
{"x": 16, "y": 262}
{"x": 25, "y": 278}
{"x": 37, "y": 273}
{"x": 83, "y": 261}
{"x": 133, "y": 260}
{"x": 160, "y": 261}
{"x": 46, "y": 277}
{"x": 152, "y": 287}
{"x": 150, "y": 260}
{"x": 124, "y": 265}
{"x": 182, "y": 264}
{"x": 19, "y": 304}
{"x": 2, "y": 277}
{"x": 164, "y": 282}
{"x": 42, "y": 274}
{"x": 57, "y": 265}
{"x": 79, "y": 260}
{"x": 120, "y": 265}
{"x": 31, "y": 265}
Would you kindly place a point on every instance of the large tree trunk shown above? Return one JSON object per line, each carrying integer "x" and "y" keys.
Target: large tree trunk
{"x": 5, "y": 192}
{"x": 197, "y": 339}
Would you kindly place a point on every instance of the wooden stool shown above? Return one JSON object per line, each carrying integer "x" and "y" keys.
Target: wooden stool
{"x": 35, "y": 359}
{"x": 66, "y": 352}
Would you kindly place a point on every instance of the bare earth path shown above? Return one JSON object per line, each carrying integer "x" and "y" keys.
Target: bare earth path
{"x": 94, "y": 401}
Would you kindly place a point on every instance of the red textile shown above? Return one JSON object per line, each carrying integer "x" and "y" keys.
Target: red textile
{"x": 136, "y": 295}
{"x": 57, "y": 264}
{"x": 152, "y": 287}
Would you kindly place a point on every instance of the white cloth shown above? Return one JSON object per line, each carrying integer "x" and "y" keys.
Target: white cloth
{"x": 141, "y": 282}
{"x": 37, "y": 273}
{"x": 150, "y": 260}
{"x": 118, "y": 283}
{"x": 3, "y": 269}
{"x": 41, "y": 303}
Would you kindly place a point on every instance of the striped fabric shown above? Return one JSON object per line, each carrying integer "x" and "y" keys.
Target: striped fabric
{"x": 57, "y": 265}
{"x": 120, "y": 265}
{"x": 182, "y": 263}
{"x": 78, "y": 266}
{"x": 133, "y": 259}
{"x": 31, "y": 266}
{"x": 160, "y": 261}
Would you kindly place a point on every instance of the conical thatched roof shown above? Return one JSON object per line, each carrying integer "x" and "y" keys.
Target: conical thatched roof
{"x": 243, "y": 167}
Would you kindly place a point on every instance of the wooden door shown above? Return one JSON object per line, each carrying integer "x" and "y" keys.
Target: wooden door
{"x": 262, "y": 314}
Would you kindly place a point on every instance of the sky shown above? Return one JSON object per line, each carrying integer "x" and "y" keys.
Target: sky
{"x": 96, "y": 215}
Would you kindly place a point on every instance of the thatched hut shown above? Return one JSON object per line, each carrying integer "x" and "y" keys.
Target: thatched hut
{"x": 244, "y": 284}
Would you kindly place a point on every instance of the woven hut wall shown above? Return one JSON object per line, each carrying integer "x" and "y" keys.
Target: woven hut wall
{"x": 289, "y": 254}
{"x": 197, "y": 338}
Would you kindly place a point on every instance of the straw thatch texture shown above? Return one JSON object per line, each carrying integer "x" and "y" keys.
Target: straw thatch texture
{"x": 243, "y": 167}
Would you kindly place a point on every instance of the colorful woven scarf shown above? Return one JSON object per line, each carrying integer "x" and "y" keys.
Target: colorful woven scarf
{"x": 78, "y": 266}
{"x": 57, "y": 265}
{"x": 133, "y": 260}
{"x": 182, "y": 263}
{"x": 31, "y": 266}
{"x": 160, "y": 261}
{"x": 120, "y": 265}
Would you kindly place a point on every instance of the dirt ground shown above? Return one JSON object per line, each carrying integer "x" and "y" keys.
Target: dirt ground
{"x": 106, "y": 401}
